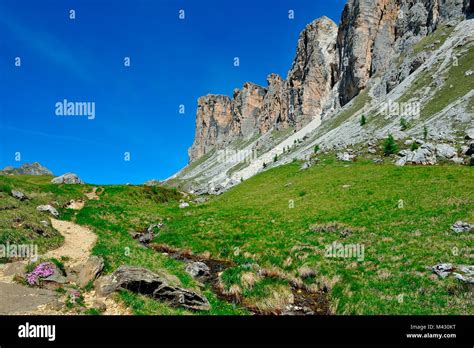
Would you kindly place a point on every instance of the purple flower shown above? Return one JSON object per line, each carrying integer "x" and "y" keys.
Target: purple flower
{"x": 43, "y": 270}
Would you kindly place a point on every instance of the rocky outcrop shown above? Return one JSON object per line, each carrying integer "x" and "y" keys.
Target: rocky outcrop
{"x": 372, "y": 33}
{"x": 291, "y": 102}
{"x": 26, "y": 169}
{"x": 313, "y": 73}
{"x": 68, "y": 179}
{"x": 213, "y": 125}
{"x": 145, "y": 282}
{"x": 332, "y": 65}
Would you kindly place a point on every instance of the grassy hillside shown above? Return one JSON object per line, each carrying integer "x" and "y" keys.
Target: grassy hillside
{"x": 283, "y": 220}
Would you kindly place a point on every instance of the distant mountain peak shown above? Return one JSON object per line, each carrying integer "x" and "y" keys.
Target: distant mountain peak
{"x": 27, "y": 169}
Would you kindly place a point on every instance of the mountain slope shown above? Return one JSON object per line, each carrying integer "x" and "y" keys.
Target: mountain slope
{"x": 408, "y": 56}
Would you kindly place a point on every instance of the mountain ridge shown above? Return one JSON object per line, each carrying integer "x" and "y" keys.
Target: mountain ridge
{"x": 371, "y": 52}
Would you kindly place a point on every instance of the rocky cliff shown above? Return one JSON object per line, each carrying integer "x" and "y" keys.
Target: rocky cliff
{"x": 332, "y": 65}
{"x": 291, "y": 102}
{"x": 372, "y": 33}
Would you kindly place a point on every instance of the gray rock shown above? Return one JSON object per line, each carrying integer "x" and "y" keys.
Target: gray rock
{"x": 55, "y": 280}
{"x": 345, "y": 156}
{"x": 470, "y": 134}
{"x": 68, "y": 178}
{"x": 198, "y": 270}
{"x": 48, "y": 208}
{"x": 146, "y": 238}
{"x": 468, "y": 73}
{"x": 19, "y": 195}
{"x": 443, "y": 269}
{"x": 457, "y": 160}
{"x": 445, "y": 151}
{"x": 468, "y": 276}
{"x": 403, "y": 153}
{"x": 464, "y": 279}
{"x": 470, "y": 150}
{"x": 15, "y": 269}
{"x": 83, "y": 273}
{"x": 424, "y": 155}
{"x": 401, "y": 161}
{"x": 143, "y": 281}
{"x": 183, "y": 205}
{"x": 461, "y": 226}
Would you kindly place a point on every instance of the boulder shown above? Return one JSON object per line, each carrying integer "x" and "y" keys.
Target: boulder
{"x": 83, "y": 273}
{"x": 470, "y": 150}
{"x": 142, "y": 281}
{"x": 461, "y": 226}
{"x": 147, "y": 236}
{"x": 403, "y": 153}
{"x": 68, "y": 178}
{"x": 445, "y": 151}
{"x": 198, "y": 270}
{"x": 468, "y": 276}
{"x": 55, "y": 280}
{"x": 470, "y": 134}
{"x": 443, "y": 269}
{"x": 183, "y": 205}
{"x": 15, "y": 269}
{"x": 345, "y": 156}
{"x": 19, "y": 195}
{"x": 48, "y": 208}
{"x": 424, "y": 155}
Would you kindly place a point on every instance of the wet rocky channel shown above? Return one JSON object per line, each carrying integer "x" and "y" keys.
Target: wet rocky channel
{"x": 304, "y": 303}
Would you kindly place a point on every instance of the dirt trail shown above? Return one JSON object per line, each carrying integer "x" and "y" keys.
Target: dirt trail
{"x": 78, "y": 242}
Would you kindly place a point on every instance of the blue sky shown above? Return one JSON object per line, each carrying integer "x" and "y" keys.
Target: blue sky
{"x": 173, "y": 62}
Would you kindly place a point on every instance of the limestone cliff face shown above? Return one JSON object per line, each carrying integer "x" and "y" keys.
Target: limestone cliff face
{"x": 291, "y": 102}
{"x": 372, "y": 32}
{"x": 332, "y": 65}
{"x": 213, "y": 124}
{"x": 313, "y": 73}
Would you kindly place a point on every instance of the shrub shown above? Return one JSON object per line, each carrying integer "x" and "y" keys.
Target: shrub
{"x": 425, "y": 133}
{"x": 414, "y": 146}
{"x": 316, "y": 148}
{"x": 363, "y": 120}
{"x": 275, "y": 158}
{"x": 404, "y": 124}
{"x": 390, "y": 146}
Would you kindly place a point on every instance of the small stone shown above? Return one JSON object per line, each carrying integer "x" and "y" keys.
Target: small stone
{"x": 461, "y": 226}
{"x": 442, "y": 269}
{"x": 198, "y": 270}
{"x": 48, "y": 208}
{"x": 19, "y": 195}
{"x": 183, "y": 205}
